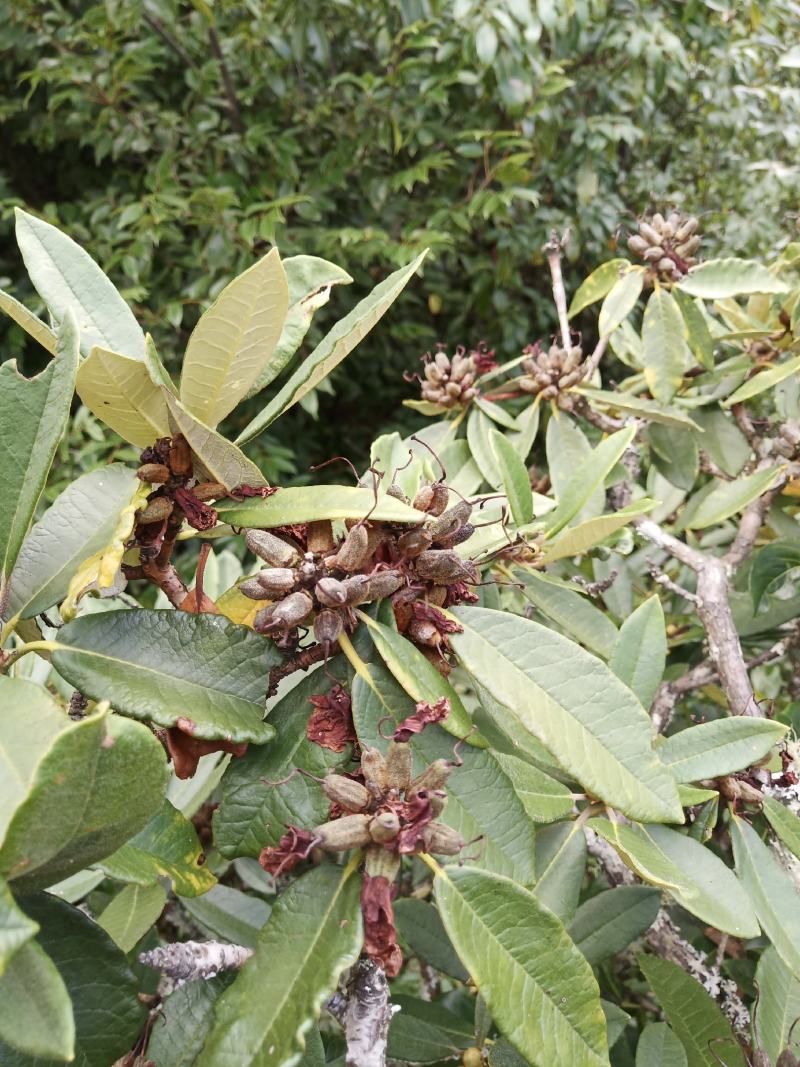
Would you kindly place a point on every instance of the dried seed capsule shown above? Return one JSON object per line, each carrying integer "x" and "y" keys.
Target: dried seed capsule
{"x": 423, "y": 632}
{"x": 424, "y": 498}
{"x": 441, "y": 498}
{"x": 687, "y": 229}
{"x": 209, "y": 491}
{"x": 253, "y": 589}
{"x": 637, "y": 244}
{"x": 412, "y": 542}
{"x": 438, "y": 799}
{"x": 345, "y": 792}
{"x": 276, "y": 581}
{"x": 651, "y": 235}
{"x": 271, "y": 548}
{"x": 155, "y": 510}
{"x": 399, "y": 758}
{"x": 442, "y": 840}
{"x": 450, "y": 521}
{"x": 444, "y": 566}
{"x": 328, "y": 626}
{"x": 666, "y": 264}
{"x": 528, "y": 385}
{"x": 652, "y": 254}
{"x": 373, "y": 767}
{"x": 155, "y": 473}
{"x": 331, "y": 592}
{"x": 353, "y": 551}
{"x": 688, "y": 247}
{"x": 385, "y": 826}
{"x": 339, "y": 835}
{"x": 433, "y": 777}
{"x": 290, "y": 611}
{"x": 319, "y": 537}
{"x": 180, "y": 457}
{"x": 380, "y": 862}
{"x": 262, "y": 623}
{"x": 383, "y": 583}
{"x": 397, "y": 493}
{"x": 458, "y": 538}
{"x": 437, "y": 595}
{"x": 357, "y": 589}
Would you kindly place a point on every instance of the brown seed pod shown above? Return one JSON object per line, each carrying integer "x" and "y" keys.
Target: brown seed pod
{"x": 328, "y": 627}
{"x": 353, "y": 551}
{"x": 685, "y": 231}
{"x": 277, "y": 581}
{"x": 289, "y": 612}
{"x": 271, "y": 548}
{"x": 385, "y": 826}
{"x": 438, "y": 799}
{"x": 339, "y": 835}
{"x": 155, "y": 473}
{"x": 357, "y": 589}
{"x": 262, "y": 623}
{"x": 253, "y": 589}
{"x": 443, "y": 840}
{"x": 319, "y": 537}
{"x": 397, "y": 493}
{"x": 424, "y": 498}
{"x": 331, "y": 592}
{"x": 637, "y": 244}
{"x": 383, "y": 583}
{"x": 423, "y": 632}
{"x": 462, "y": 534}
{"x": 209, "y": 491}
{"x": 373, "y": 767}
{"x": 433, "y": 777}
{"x": 180, "y": 457}
{"x": 450, "y": 521}
{"x": 444, "y": 566}
{"x": 345, "y": 792}
{"x": 649, "y": 233}
{"x": 399, "y": 758}
{"x": 413, "y": 542}
{"x": 155, "y": 510}
{"x": 379, "y": 861}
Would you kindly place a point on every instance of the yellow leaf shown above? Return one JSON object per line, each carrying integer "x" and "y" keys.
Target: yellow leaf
{"x": 239, "y": 608}
{"x": 120, "y": 391}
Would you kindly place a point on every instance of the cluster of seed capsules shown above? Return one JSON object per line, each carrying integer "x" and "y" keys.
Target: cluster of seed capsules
{"x": 668, "y": 245}
{"x": 450, "y": 381}
{"x": 310, "y": 577}
{"x": 550, "y": 373}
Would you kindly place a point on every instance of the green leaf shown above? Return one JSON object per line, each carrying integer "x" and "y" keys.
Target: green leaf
{"x": 717, "y": 279}
{"x": 765, "y": 379}
{"x": 99, "y": 981}
{"x": 131, "y": 914}
{"x": 588, "y": 478}
{"x": 222, "y": 460}
{"x": 233, "y": 341}
{"x": 770, "y": 567}
{"x": 697, "y": 879}
{"x": 720, "y": 747}
{"x": 120, "y": 391}
{"x": 560, "y": 867}
{"x": 567, "y": 450}
{"x": 33, "y": 414}
{"x": 229, "y": 914}
{"x": 579, "y": 539}
{"x": 718, "y": 500}
{"x": 772, "y": 891}
{"x": 722, "y": 439}
{"x": 571, "y": 611}
{"x": 784, "y": 822}
{"x": 309, "y": 503}
{"x": 698, "y": 335}
{"x": 699, "y": 1024}
{"x": 421, "y": 927}
{"x": 518, "y": 952}
{"x": 540, "y": 680}
{"x": 640, "y": 651}
{"x": 610, "y": 921}
{"x": 545, "y": 799}
{"x": 314, "y": 932}
{"x": 496, "y": 413}
{"x": 186, "y": 1016}
{"x": 659, "y": 1047}
{"x": 479, "y": 427}
{"x": 84, "y": 788}
{"x": 310, "y": 280}
{"x": 15, "y": 927}
{"x": 778, "y": 1005}
{"x": 675, "y": 454}
{"x": 516, "y": 481}
{"x": 80, "y": 522}
{"x": 417, "y": 675}
{"x": 167, "y": 665}
{"x": 425, "y": 1032}
{"x": 67, "y": 278}
{"x": 332, "y": 349}
{"x": 29, "y": 322}
{"x": 159, "y": 375}
{"x": 628, "y": 404}
{"x": 664, "y": 348}
{"x": 167, "y": 847}
{"x": 251, "y": 816}
{"x": 35, "y": 1009}
{"x": 621, "y": 300}
{"x": 599, "y": 283}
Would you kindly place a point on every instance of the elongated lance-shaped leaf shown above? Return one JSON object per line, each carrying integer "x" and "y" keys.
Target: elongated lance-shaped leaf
{"x": 609, "y": 921}
{"x": 712, "y": 749}
{"x": 697, "y": 878}
{"x": 570, "y": 610}
{"x": 131, "y": 913}
{"x": 784, "y": 822}
{"x": 308, "y": 503}
{"x": 120, "y": 391}
{"x": 621, "y": 299}
{"x": 717, "y": 279}
{"x": 310, "y": 281}
{"x": 599, "y": 283}
{"x": 766, "y": 379}
{"x": 640, "y": 651}
{"x": 80, "y": 522}
{"x": 163, "y": 666}
{"x": 220, "y": 458}
{"x": 666, "y": 353}
{"x": 579, "y": 539}
{"x": 518, "y": 953}
{"x": 66, "y": 277}
{"x": 703, "y": 1030}
{"x": 333, "y": 348}
{"x": 516, "y": 481}
{"x": 588, "y": 478}
{"x": 33, "y": 414}
{"x": 778, "y": 1005}
{"x": 29, "y": 322}
{"x": 773, "y": 892}
{"x": 640, "y": 407}
{"x": 571, "y": 702}
{"x": 771, "y": 565}
{"x": 660, "y": 1047}
{"x": 314, "y": 932}
{"x": 698, "y": 335}
{"x": 234, "y": 339}
{"x": 717, "y": 501}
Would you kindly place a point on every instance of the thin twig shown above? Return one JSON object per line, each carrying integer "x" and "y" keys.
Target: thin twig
{"x": 234, "y": 112}
{"x": 172, "y": 42}
{"x": 553, "y": 250}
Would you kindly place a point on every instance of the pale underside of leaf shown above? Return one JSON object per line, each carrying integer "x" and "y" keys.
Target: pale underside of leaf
{"x": 120, "y": 391}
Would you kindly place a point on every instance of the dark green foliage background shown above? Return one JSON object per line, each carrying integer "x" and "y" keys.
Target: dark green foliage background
{"x": 365, "y": 130}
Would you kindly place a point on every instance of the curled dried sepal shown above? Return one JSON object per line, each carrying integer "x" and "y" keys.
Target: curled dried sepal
{"x": 185, "y": 750}
{"x": 331, "y": 725}
{"x": 293, "y": 848}
{"x": 425, "y": 714}
{"x": 380, "y": 935}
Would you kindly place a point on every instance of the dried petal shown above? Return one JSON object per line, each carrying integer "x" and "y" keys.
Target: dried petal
{"x": 380, "y": 935}
{"x": 185, "y": 750}
{"x": 292, "y": 849}
{"x": 426, "y": 713}
{"x": 198, "y": 514}
{"x": 331, "y": 725}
